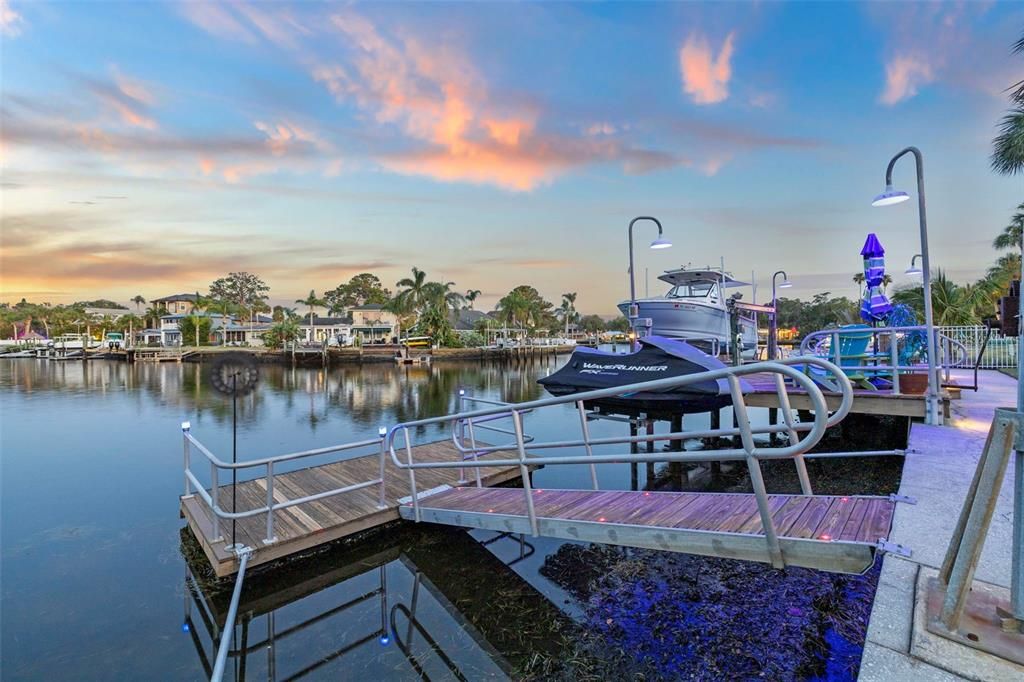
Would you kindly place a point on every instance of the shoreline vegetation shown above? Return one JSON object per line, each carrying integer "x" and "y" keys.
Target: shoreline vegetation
{"x": 433, "y": 309}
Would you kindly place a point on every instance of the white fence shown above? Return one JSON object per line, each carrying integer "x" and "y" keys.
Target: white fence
{"x": 1000, "y": 352}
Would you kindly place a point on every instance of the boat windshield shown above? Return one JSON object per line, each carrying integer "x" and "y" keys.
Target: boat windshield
{"x": 693, "y": 290}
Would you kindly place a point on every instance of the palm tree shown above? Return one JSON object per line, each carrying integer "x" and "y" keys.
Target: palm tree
{"x": 154, "y": 313}
{"x": 952, "y": 304}
{"x": 411, "y": 296}
{"x": 138, "y": 301}
{"x": 471, "y": 296}
{"x": 1010, "y": 237}
{"x": 886, "y": 279}
{"x": 567, "y": 311}
{"x": 311, "y": 302}
{"x": 1008, "y": 152}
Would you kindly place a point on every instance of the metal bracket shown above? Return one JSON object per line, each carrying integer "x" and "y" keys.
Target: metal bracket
{"x": 906, "y": 499}
{"x": 1012, "y": 414}
{"x": 426, "y": 493}
{"x": 884, "y": 545}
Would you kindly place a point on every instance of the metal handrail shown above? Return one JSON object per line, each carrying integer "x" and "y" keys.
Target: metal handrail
{"x": 951, "y": 353}
{"x": 270, "y": 507}
{"x": 802, "y": 437}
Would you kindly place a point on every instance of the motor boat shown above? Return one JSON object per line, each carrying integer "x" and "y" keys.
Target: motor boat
{"x": 695, "y": 309}
{"x": 657, "y": 358}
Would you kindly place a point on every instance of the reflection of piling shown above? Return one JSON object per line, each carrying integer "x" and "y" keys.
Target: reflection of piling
{"x": 634, "y": 483}
{"x": 675, "y": 469}
{"x": 650, "y": 451}
{"x": 773, "y": 419}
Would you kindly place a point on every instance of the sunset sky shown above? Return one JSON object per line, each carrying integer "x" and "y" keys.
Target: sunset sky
{"x": 148, "y": 147}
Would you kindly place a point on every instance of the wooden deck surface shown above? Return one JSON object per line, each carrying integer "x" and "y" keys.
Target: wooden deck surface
{"x": 315, "y": 523}
{"x": 818, "y": 517}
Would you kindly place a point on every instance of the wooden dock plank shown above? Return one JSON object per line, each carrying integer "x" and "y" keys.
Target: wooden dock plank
{"x": 796, "y": 516}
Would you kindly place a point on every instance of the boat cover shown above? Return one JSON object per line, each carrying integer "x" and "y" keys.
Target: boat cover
{"x": 658, "y": 357}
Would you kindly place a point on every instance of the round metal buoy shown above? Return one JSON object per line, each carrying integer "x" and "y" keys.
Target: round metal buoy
{"x": 235, "y": 373}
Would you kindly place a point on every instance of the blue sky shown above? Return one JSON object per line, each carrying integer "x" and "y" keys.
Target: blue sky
{"x": 149, "y": 148}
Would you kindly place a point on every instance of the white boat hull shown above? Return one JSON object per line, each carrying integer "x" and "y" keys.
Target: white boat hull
{"x": 678, "y": 319}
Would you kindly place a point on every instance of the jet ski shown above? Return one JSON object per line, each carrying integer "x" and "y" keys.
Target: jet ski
{"x": 658, "y": 357}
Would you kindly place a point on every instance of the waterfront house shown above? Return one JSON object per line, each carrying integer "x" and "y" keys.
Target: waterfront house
{"x": 170, "y": 335}
{"x": 177, "y": 304}
{"x": 333, "y": 330}
{"x": 245, "y": 334}
{"x": 371, "y": 322}
{"x": 99, "y": 313}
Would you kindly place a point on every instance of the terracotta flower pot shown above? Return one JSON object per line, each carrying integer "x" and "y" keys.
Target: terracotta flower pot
{"x": 915, "y": 383}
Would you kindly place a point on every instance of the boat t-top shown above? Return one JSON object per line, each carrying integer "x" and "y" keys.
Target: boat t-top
{"x": 695, "y": 309}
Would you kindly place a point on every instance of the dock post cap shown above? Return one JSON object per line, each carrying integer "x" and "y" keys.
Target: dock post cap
{"x": 462, "y": 391}
{"x": 382, "y": 431}
{"x": 185, "y": 426}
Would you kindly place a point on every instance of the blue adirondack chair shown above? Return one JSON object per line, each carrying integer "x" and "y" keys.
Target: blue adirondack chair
{"x": 853, "y": 356}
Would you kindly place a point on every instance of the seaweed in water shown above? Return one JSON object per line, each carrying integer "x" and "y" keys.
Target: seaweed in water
{"x": 653, "y": 615}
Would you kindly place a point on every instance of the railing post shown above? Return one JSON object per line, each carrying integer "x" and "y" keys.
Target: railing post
{"x": 524, "y": 471}
{"x": 382, "y": 432}
{"x": 836, "y": 354}
{"x": 185, "y": 428}
{"x": 472, "y": 444}
{"x": 271, "y": 538}
{"x": 586, "y": 441}
{"x": 794, "y": 437}
{"x": 461, "y": 402}
{"x": 215, "y": 507}
{"x": 894, "y": 360}
{"x": 412, "y": 476}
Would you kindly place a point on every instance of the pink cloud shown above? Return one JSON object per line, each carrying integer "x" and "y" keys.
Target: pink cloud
{"x": 904, "y": 74}
{"x": 11, "y": 22}
{"x": 705, "y": 76}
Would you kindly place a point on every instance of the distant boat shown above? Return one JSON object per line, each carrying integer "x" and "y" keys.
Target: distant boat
{"x": 694, "y": 309}
{"x": 73, "y": 342}
{"x": 657, "y": 358}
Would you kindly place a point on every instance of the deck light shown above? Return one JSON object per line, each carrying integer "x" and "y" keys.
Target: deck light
{"x": 659, "y": 243}
{"x": 773, "y": 330}
{"x": 889, "y": 197}
{"x": 185, "y": 628}
{"x": 384, "y": 640}
{"x": 914, "y": 269}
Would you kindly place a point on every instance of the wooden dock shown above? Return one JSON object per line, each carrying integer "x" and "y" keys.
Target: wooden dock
{"x": 824, "y": 532}
{"x": 312, "y": 524}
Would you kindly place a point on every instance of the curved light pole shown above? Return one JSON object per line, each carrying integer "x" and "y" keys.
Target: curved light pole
{"x": 659, "y": 243}
{"x": 913, "y": 270}
{"x": 773, "y": 332}
{"x": 888, "y": 198}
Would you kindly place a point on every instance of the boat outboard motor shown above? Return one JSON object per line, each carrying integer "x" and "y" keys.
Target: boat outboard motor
{"x": 657, "y": 358}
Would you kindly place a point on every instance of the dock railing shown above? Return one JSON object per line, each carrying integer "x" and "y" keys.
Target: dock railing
{"x": 892, "y": 357}
{"x": 270, "y": 464}
{"x": 802, "y": 436}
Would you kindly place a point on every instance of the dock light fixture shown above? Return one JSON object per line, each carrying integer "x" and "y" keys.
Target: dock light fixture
{"x": 773, "y": 332}
{"x": 888, "y": 198}
{"x": 659, "y": 243}
{"x": 914, "y": 269}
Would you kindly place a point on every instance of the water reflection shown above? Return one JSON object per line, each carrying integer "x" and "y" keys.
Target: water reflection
{"x": 430, "y": 604}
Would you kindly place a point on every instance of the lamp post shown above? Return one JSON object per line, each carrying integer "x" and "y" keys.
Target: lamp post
{"x": 913, "y": 270}
{"x": 773, "y": 332}
{"x": 659, "y": 243}
{"x": 887, "y": 198}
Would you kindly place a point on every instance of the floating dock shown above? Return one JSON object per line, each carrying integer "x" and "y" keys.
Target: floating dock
{"x": 311, "y": 524}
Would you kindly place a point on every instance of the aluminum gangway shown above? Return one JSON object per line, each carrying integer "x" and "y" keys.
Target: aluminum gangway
{"x": 826, "y": 532}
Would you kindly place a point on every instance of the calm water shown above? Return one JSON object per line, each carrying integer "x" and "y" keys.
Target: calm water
{"x": 93, "y": 580}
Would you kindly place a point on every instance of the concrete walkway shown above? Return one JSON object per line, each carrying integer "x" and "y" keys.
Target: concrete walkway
{"x": 939, "y": 465}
